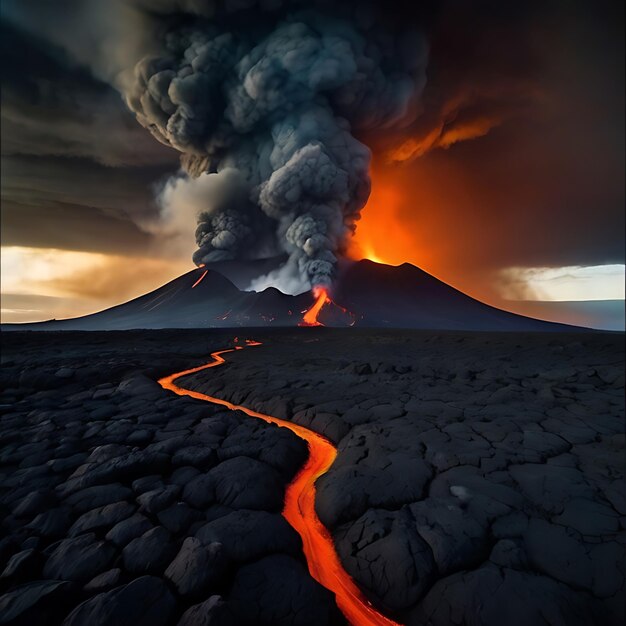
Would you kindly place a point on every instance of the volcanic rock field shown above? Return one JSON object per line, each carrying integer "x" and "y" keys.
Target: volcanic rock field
{"x": 479, "y": 477}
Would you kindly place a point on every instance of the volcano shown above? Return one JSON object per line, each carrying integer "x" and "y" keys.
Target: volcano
{"x": 365, "y": 294}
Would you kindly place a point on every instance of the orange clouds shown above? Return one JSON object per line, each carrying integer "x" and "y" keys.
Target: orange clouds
{"x": 66, "y": 283}
{"x": 442, "y": 136}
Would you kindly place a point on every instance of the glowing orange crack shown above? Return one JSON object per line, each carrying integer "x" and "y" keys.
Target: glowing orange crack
{"x": 299, "y": 509}
{"x": 201, "y": 277}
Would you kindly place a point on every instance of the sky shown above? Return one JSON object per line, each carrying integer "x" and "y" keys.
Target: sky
{"x": 507, "y": 184}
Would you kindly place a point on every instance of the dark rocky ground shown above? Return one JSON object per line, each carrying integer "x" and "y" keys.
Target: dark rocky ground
{"x": 479, "y": 477}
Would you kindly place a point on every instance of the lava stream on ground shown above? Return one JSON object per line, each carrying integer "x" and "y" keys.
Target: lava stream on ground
{"x": 299, "y": 509}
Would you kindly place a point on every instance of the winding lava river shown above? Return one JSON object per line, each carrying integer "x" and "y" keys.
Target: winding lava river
{"x": 299, "y": 510}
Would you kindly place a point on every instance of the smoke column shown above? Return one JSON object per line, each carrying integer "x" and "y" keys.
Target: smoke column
{"x": 265, "y": 100}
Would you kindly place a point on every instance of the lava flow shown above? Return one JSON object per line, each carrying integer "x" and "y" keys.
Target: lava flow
{"x": 311, "y": 315}
{"x": 299, "y": 509}
{"x": 200, "y": 279}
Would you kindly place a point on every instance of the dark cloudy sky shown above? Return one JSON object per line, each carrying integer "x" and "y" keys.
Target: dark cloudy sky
{"x": 515, "y": 163}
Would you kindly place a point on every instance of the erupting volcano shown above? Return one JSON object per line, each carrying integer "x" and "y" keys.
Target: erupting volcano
{"x": 277, "y": 109}
{"x": 388, "y": 449}
{"x": 370, "y": 295}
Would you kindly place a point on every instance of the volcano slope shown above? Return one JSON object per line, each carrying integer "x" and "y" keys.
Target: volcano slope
{"x": 478, "y": 479}
{"x": 365, "y": 294}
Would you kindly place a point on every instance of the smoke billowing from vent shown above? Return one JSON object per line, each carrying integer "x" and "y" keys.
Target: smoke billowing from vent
{"x": 269, "y": 100}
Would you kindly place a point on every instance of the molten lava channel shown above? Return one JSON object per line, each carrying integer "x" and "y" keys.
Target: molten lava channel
{"x": 299, "y": 509}
{"x": 311, "y": 315}
{"x": 200, "y": 279}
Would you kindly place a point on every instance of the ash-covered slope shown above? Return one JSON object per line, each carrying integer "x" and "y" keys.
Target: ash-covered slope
{"x": 375, "y": 295}
{"x": 201, "y": 298}
{"x": 408, "y": 297}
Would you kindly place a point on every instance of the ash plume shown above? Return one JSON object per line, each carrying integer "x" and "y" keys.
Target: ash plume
{"x": 270, "y": 97}
{"x": 269, "y": 100}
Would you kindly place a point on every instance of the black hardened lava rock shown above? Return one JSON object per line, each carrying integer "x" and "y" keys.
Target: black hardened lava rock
{"x": 479, "y": 477}
{"x": 466, "y": 490}
{"x": 123, "y": 504}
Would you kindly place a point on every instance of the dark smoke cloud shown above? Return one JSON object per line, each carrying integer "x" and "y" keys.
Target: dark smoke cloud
{"x": 77, "y": 169}
{"x": 43, "y": 207}
{"x": 538, "y": 85}
{"x": 277, "y": 96}
{"x": 51, "y": 106}
{"x": 487, "y": 69}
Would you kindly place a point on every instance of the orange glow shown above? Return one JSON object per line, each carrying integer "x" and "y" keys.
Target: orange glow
{"x": 432, "y": 214}
{"x": 299, "y": 509}
{"x": 414, "y": 147}
{"x": 311, "y": 315}
{"x": 442, "y": 136}
{"x": 382, "y": 234}
{"x": 435, "y": 215}
{"x": 367, "y": 252}
{"x": 199, "y": 279}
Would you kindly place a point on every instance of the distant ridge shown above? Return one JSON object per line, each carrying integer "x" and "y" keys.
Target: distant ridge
{"x": 377, "y": 295}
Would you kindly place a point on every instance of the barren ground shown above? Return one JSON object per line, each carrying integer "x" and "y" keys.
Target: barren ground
{"x": 479, "y": 477}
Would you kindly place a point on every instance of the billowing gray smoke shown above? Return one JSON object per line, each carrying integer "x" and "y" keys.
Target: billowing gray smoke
{"x": 269, "y": 96}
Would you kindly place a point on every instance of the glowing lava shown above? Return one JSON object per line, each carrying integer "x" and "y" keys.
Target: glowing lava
{"x": 299, "y": 510}
{"x": 199, "y": 279}
{"x": 310, "y": 315}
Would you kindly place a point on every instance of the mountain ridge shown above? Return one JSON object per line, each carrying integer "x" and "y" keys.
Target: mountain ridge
{"x": 374, "y": 294}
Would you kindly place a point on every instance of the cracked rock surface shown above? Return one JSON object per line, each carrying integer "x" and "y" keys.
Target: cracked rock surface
{"x": 479, "y": 478}
{"x": 122, "y": 504}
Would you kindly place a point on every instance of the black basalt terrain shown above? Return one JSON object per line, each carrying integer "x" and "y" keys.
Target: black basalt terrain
{"x": 122, "y": 503}
{"x": 479, "y": 477}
